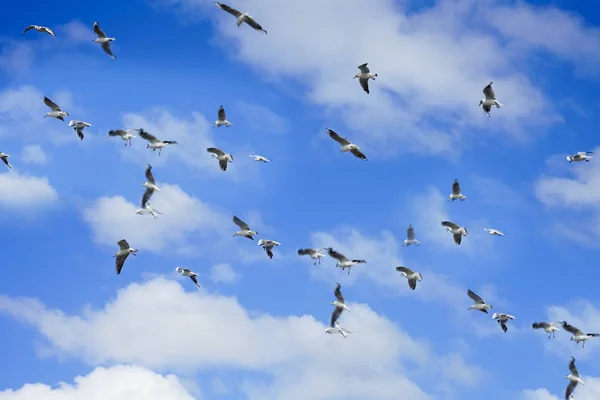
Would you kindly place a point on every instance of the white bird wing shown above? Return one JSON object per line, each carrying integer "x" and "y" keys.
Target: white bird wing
{"x": 51, "y": 104}
{"x": 475, "y": 297}
{"x": 99, "y": 31}
{"x": 49, "y": 31}
{"x": 217, "y": 152}
{"x": 573, "y": 368}
{"x": 338, "y": 293}
{"x": 571, "y": 329}
{"x": 228, "y": 9}
{"x": 410, "y": 233}
{"x": 221, "y": 115}
{"x": 243, "y": 226}
{"x": 149, "y": 175}
{"x": 338, "y": 138}
{"x": 123, "y": 245}
{"x": 148, "y": 136}
{"x": 450, "y": 225}
{"x": 363, "y": 68}
{"x": 107, "y": 50}
{"x": 337, "y": 255}
{"x": 489, "y": 92}
{"x": 455, "y": 187}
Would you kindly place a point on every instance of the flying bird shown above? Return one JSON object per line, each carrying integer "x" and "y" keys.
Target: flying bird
{"x": 490, "y": 99}
{"x": 410, "y": 237}
{"x": 260, "y": 158}
{"x": 346, "y": 145}
{"x": 103, "y": 40}
{"x": 39, "y": 29}
{"x": 479, "y": 304}
{"x": 56, "y": 111}
{"x": 78, "y": 127}
{"x": 268, "y": 245}
{"x": 343, "y": 262}
{"x": 339, "y": 299}
{"x": 150, "y": 185}
{"x": 578, "y": 335}
{"x": 314, "y": 254}
{"x": 574, "y": 379}
{"x": 457, "y": 231}
{"x": 187, "y": 272}
{"x": 363, "y": 76}
{"x": 124, "y": 251}
{"x": 340, "y": 306}
{"x": 154, "y": 142}
{"x": 411, "y": 276}
{"x": 4, "y": 158}
{"x": 456, "y": 194}
{"x": 222, "y": 118}
{"x": 220, "y": 155}
{"x": 241, "y": 17}
{"x": 146, "y": 206}
{"x": 549, "y": 327}
{"x": 580, "y": 156}
{"x": 245, "y": 230}
{"x": 502, "y": 320}
{"x": 493, "y": 232}
{"x": 125, "y": 135}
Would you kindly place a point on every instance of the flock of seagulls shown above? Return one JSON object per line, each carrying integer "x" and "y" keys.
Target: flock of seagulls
{"x": 342, "y": 262}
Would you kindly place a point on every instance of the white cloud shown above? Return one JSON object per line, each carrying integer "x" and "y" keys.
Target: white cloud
{"x": 538, "y": 394}
{"x": 590, "y": 390}
{"x": 15, "y": 56}
{"x": 120, "y": 382}
{"x": 113, "y": 218}
{"x": 193, "y": 137}
{"x": 301, "y": 359}
{"x": 33, "y": 154}
{"x": 413, "y": 94}
{"x": 223, "y": 273}
{"x": 25, "y": 193}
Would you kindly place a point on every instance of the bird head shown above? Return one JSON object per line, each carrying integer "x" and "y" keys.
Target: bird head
{"x": 480, "y": 102}
{"x": 178, "y": 269}
{"x": 356, "y": 76}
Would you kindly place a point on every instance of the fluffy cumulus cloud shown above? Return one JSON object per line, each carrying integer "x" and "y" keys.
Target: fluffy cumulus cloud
{"x": 590, "y": 390}
{"x": 300, "y": 359}
{"x": 33, "y": 154}
{"x": 114, "y": 218}
{"x": 430, "y": 66}
{"x": 223, "y": 273}
{"x": 25, "y": 193}
{"x": 120, "y": 382}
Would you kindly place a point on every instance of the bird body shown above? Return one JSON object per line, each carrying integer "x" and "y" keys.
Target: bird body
{"x": 346, "y": 145}
{"x": 124, "y": 251}
{"x": 55, "y": 110}
{"x": 187, "y": 272}
{"x": 490, "y": 100}
{"x": 457, "y": 231}
{"x": 267, "y": 246}
{"x": 549, "y": 328}
{"x": 410, "y": 275}
{"x": 245, "y": 230}
{"x": 220, "y": 155}
{"x": 241, "y": 17}
{"x": 342, "y": 261}
{"x": 103, "y": 40}
{"x": 580, "y": 156}
{"x": 578, "y": 335}
{"x": 43, "y": 29}
{"x": 125, "y": 135}
{"x": 314, "y": 254}
{"x": 502, "y": 320}
{"x": 456, "y": 194}
{"x": 493, "y": 232}
{"x": 154, "y": 142}
{"x": 479, "y": 304}
{"x": 363, "y": 77}
{"x": 222, "y": 118}
{"x": 410, "y": 237}
{"x": 4, "y": 158}
{"x": 78, "y": 127}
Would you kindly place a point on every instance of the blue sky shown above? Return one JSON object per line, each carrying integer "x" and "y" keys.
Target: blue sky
{"x": 255, "y": 330}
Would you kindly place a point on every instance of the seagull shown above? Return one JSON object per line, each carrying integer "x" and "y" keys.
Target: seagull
{"x": 479, "y": 303}
{"x": 339, "y": 299}
{"x": 550, "y": 328}
{"x": 79, "y": 126}
{"x": 493, "y": 232}
{"x": 363, "y": 77}
{"x": 245, "y": 230}
{"x": 154, "y": 142}
{"x": 187, "y": 272}
{"x": 502, "y": 319}
{"x": 340, "y": 306}
{"x": 268, "y": 245}
{"x": 147, "y": 208}
{"x": 456, "y": 194}
{"x": 580, "y": 156}
{"x": 220, "y": 155}
{"x": 574, "y": 379}
{"x": 125, "y": 135}
{"x": 315, "y": 254}
{"x": 346, "y": 145}
{"x": 411, "y": 275}
{"x": 103, "y": 40}
{"x": 122, "y": 254}
{"x": 578, "y": 336}
{"x": 343, "y": 262}
{"x": 457, "y": 231}
{"x": 241, "y": 17}
{"x": 410, "y": 237}
{"x": 39, "y": 29}
{"x": 260, "y": 158}
{"x": 56, "y": 110}
{"x": 490, "y": 99}
{"x": 222, "y": 118}
{"x": 150, "y": 185}
{"x": 4, "y": 158}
